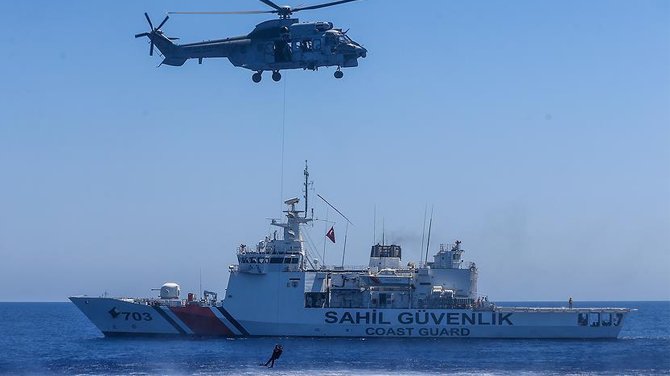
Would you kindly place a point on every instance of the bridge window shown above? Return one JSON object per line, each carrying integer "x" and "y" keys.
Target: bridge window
{"x": 291, "y": 260}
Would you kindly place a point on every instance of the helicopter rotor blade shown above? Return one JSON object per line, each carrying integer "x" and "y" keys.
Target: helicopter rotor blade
{"x": 238, "y": 12}
{"x": 321, "y": 5}
{"x": 149, "y": 20}
{"x": 141, "y": 35}
{"x": 271, "y": 4}
{"x": 163, "y": 23}
{"x": 283, "y": 12}
{"x": 151, "y": 49}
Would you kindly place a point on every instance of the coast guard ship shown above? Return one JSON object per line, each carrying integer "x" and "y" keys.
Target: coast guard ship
{"x": 277, "y": 290}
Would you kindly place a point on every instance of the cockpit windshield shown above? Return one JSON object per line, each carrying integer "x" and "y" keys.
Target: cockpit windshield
{"x": 344, "y": 39}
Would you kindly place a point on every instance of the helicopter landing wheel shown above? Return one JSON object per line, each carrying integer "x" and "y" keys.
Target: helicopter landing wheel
{"x": 338, "y": 74}
{"x": 256, "y": 77}
{"x": 276, "y": 76}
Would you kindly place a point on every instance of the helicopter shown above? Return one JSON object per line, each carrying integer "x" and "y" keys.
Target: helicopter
{"x": 273, "y": 45}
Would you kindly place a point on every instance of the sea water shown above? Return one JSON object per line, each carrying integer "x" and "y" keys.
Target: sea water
{"x": 55, "y": 338}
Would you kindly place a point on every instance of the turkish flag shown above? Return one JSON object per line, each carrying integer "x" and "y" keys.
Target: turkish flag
{"x": 331, "y": 234}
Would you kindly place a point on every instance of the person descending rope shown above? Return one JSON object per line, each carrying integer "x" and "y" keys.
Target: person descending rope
{"x": 276, "y": 353}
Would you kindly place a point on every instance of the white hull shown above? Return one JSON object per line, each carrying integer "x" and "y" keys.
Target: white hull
{"x": 123, "y": 317}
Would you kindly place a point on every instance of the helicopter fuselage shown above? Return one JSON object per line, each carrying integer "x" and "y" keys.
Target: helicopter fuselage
{"x": 273, "y": 45}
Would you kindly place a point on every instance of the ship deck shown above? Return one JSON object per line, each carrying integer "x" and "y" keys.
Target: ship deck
{"x": 563, "y": 309}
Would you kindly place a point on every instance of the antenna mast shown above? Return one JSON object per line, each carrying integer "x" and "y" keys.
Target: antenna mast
{"x": 306, "y": 186}
{"x": 374, "y": 226}
{"x": 430, "y": 226}
{"x": 423, "y": 234}
{"x": 344, "y": 249}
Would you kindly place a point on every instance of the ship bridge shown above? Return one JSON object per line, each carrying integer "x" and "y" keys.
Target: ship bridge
{"x": 286, "y": 254}
{"x": 279, "y": 254}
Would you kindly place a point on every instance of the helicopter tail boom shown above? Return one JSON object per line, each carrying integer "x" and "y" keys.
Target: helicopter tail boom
{"x": 174, "y": 61}
{"x": 167, "y": 48}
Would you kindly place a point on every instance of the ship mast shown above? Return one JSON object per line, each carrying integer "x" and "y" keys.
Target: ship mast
{"x": 306, "y": 187}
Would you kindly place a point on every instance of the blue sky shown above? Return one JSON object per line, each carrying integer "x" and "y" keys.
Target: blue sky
{"x": 539, "y": 131}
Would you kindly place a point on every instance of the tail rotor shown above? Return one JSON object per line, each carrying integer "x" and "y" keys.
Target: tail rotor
{"x": 154, "y": 31}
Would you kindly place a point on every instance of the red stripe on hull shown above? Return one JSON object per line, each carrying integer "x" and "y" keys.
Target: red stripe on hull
{"x": 202, "y": 321}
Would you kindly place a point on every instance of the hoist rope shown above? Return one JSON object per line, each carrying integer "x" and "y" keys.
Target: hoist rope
{"x": 283, "y": 130}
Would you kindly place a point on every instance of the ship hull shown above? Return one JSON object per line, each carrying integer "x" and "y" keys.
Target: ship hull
{"x": 124, "y": 317}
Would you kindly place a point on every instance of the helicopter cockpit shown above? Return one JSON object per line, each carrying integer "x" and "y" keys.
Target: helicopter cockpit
{"x": 335, "y": 38}
{"x": 339, "y": 42}
{"x": 343, "y": 38}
